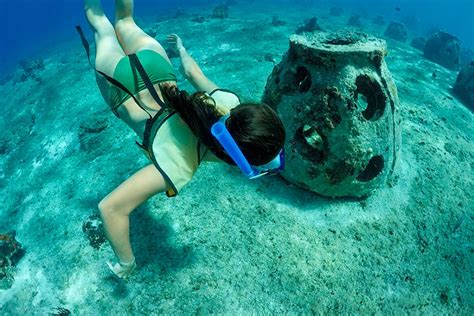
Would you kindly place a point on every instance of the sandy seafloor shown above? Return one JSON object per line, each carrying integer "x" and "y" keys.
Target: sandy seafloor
{"x": 226, "y": 244}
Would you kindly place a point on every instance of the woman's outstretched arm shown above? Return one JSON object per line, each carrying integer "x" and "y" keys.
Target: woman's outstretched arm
{"x": 191, "y": 69}
{"x": 116, "y": 207}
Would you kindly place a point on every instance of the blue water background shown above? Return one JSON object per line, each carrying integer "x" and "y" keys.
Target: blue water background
{"x": 31, "y": 27}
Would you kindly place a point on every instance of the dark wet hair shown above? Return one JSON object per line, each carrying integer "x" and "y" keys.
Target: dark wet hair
{"x": 256, "y": 128}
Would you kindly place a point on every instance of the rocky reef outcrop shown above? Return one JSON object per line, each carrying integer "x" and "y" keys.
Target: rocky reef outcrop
{"x": 339, "y": 106}
{"x": 464, "y": 86}
{"x": 444, "y": 49}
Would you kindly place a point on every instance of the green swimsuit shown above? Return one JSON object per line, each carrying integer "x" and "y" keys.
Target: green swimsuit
{"x": 157, "y": 68}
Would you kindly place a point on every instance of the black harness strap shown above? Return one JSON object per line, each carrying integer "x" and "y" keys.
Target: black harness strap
{"x": 146, "y": 79}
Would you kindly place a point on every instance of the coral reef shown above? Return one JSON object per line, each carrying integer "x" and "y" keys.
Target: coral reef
{"x": 464, "y": 86}
{"x": 418, "y": 43}
{"x": 93, "y": 229}
{"x": 339, "y": 105}
{"x": 220, "y": 12}
{"x": 396, "y": 31}
{"x": 11, "y": 252}
{"x": 444, "y": 49}
{"x": 309, "y": 25}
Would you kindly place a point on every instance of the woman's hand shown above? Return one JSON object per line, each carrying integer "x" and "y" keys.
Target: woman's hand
{"x": 175, "y": 41}
{"x": 121, "y": 269}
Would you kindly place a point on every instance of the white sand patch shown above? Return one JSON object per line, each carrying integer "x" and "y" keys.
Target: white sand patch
{"x": 224, "y": 47}
{"x": 37, "y": 163}
{"x": 56, "y": 146}
{"x": 79, "y": 285}
{"x": 29, "y": 213}
{"x": 228, "y": 48}
{"x": 30, "y": 285}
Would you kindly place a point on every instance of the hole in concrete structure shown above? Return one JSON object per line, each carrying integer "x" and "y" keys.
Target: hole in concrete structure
{"x": 303, "y": 79}
{"x": 341, "y": 41}
{"x": 373, "y": 169}
{"x": 370, "y": 97}
{"x": 311, "y": 144}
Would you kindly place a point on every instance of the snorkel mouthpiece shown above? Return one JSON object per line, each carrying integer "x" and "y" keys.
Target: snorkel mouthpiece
{"x": 221, "y": 133}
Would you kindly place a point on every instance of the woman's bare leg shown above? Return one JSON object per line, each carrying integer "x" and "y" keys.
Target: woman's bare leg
{"x": 131, "y": 37}
{"x": 108, "y": 49}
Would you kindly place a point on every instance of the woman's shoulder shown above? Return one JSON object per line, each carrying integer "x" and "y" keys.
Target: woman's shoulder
{"x": 225, "y": 98}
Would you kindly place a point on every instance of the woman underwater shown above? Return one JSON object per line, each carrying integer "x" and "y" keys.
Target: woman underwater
{"x": 137, "y": 81}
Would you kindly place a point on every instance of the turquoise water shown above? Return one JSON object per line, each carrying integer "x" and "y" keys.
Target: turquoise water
{"x": 225, "y": 244}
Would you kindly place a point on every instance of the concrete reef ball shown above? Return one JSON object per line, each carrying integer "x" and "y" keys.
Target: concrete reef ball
{"x": 444, "y": 49}
{"x": 220, "y": 12}
{"x": 396, "y": 31}
{"x": 339, "y": 106}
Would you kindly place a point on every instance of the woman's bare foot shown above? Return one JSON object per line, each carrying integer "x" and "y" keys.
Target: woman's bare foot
{"x": 94, "y": 13}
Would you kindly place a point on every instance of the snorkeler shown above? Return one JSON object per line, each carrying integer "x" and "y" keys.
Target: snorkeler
{"x": 177, "y": 130}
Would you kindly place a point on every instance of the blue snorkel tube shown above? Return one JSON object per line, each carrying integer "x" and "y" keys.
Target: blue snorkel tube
{"x": 221, "y": 133}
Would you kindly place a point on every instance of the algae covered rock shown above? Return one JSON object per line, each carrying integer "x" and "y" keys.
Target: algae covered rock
{"x": 94, "y": 231}
{"x": 11, "y": 252}
{"x": 339, "y": 105}
{"x": 464, "y": 86}
{"x": 444, "y": 49}
{"x": 91, "y": 129}
{"x": 396, "y": 31}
